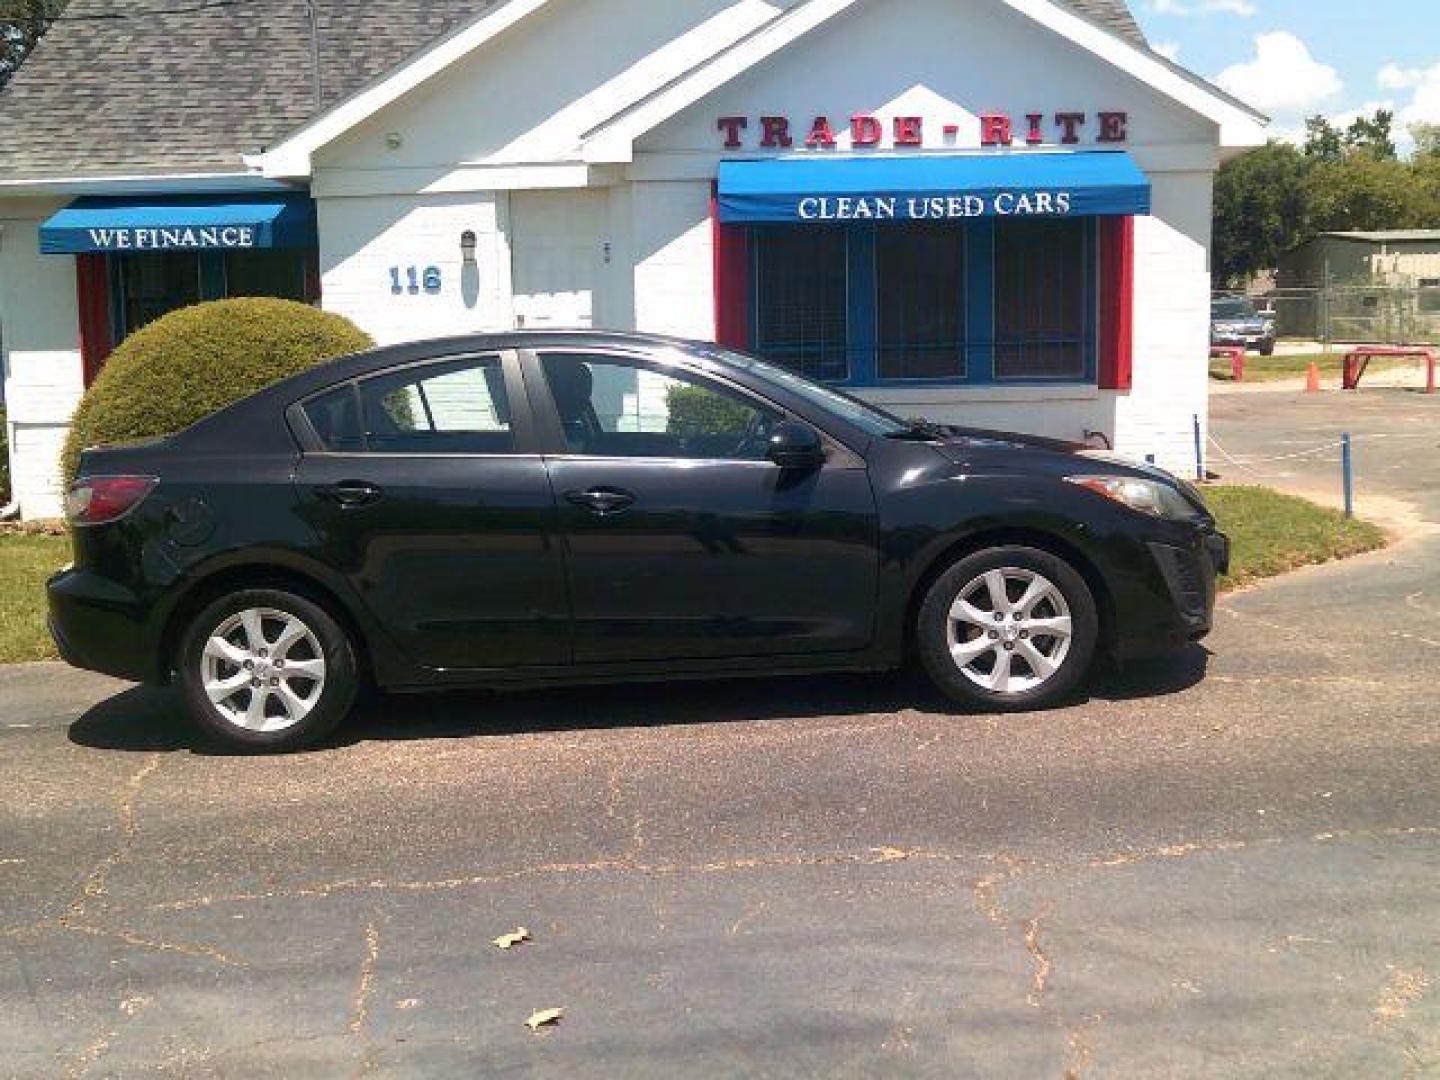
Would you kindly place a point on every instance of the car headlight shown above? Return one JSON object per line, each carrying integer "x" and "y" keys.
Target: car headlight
{"x": 1147, "y": 496}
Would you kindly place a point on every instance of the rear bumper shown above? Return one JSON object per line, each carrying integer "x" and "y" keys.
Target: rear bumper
{"x": 100, "y": 626}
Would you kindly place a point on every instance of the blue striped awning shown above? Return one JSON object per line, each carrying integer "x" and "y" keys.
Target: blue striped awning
{"x": 825, "y": 190}
{"x": 180, "y": 223}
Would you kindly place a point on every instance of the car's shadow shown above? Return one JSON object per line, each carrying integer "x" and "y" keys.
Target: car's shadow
{"x": 145, "y": 719}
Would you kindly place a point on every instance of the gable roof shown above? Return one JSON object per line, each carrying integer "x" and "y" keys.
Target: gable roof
{"x": 137, "y": 87}
{"x": 1238, "y": 124}
{"x": 120, "y": 87}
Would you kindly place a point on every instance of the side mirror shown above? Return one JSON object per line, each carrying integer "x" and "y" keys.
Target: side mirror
{"x": 796, "y": 446}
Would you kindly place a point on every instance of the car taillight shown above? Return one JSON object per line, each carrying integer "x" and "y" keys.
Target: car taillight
{"x": 98, "y": 500}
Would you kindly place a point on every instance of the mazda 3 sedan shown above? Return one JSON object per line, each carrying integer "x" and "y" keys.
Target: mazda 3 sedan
{"x": 529, "y": 509}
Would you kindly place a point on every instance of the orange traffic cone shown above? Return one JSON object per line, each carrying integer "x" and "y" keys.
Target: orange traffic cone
{"x": 1312, "y": 380}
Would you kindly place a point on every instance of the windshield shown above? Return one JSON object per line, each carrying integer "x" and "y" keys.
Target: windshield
{"x": 871, "y": 419}
{"x": 1232, "y": 309}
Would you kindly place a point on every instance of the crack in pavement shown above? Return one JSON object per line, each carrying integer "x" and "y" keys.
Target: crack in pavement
{"x": 874, "y": 856}
{"x": 1042, "y": 962}
{"x": 98, "y": 878}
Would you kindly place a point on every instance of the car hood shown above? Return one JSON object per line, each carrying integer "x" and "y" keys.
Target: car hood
{"x": 964, "y": 443}
{"x": 1007, "y": 451}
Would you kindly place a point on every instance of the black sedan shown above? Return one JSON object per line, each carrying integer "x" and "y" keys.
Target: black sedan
{"x": 526, "y": 509}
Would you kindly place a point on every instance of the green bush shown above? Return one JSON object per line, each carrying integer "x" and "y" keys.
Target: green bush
{"x": 4, "y": 458}
{"x": 695, "y": 410}
{"x": 196, "y": 361}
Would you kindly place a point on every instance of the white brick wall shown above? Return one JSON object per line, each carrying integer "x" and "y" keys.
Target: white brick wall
{"x": 1172, "y": 326}
{"x": 362, "y": 239}
{"x": 674, "y": 258}
{"x": 39, "y": 332}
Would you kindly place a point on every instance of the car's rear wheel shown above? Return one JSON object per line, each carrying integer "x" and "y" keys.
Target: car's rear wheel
{"x": 267, "y": 670}
{"x": 1008, "y": 628}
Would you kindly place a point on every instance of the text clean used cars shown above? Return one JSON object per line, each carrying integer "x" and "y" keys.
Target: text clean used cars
{"x": 533, "y": 508}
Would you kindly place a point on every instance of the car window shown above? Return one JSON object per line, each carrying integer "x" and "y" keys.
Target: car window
{"x": 612, "y": 407}
{"x": 1232, "y": 309}
{"x": 455, "y": 407}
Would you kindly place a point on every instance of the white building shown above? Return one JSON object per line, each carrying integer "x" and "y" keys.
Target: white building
{"x": 994, "y": 212}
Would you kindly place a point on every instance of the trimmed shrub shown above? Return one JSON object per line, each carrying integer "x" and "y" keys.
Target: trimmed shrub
{"x": 695, "y": 410}
{"x": 195, "y": 361}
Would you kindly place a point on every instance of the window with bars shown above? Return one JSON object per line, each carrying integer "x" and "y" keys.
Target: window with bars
{"x": 920, "y": 302}
{"x": 800, "y": 316}
{"x": 980, "y": 302}
{"x": 1041, "y": 325}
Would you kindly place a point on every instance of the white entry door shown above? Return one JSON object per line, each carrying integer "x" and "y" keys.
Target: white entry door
{"x": 557, "y": 251}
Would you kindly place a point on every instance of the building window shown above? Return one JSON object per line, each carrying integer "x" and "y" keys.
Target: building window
{"x": 276, "y": 272}
{"x": 800, "y": 311}
{"x": 149, "y": 286}
{"x": 1041, "y": 325}
{"x": 979, "y": 302}
{"x": 920, "y": 302}
{"x": 145, "y": 287}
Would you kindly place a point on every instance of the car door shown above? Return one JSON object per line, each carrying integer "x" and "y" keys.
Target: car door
{"x": 426, "y": 488}
{"x": 682, "y": 540}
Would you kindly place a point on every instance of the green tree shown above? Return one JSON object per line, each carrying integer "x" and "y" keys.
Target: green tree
{"x": 1323, "y": 141}
{"x": 1373, "y": 136}
{"x": 1260, "y": 211}
{"x": 22, "y": 23}
{"x": 1366, "y": 193}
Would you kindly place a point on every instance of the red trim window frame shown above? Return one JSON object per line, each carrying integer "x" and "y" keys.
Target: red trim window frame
{"x": 732, "y": 279}
{"x": 1117, "y": 303}
{"x": 97, "y": 339}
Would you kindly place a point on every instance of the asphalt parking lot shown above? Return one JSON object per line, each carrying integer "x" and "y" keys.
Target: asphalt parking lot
{"x": 1225, "y": 865}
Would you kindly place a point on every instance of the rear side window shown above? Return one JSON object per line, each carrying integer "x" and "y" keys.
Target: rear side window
{"x": 455, "y": 407}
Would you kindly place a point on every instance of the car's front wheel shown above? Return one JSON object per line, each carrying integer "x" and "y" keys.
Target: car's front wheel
{"x": 267, "y": 670}
{"x": 1008, "y": 628}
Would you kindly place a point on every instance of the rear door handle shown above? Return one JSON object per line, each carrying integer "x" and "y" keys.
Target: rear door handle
{"x": 351, "y": 494}
{"x": 602, "y": 502}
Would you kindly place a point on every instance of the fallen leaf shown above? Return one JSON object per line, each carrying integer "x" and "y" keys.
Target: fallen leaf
{"x": 509, "y": 941}
{"x": 543, "y": 1017}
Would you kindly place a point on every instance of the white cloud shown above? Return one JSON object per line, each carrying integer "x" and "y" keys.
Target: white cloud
{"x": 1184, "y": 8}
{"x": 1423, "y": 107}
{"x": 1170, "y": 50}
{"x": 1394, "y": 77}
{"x": 1283, "y": 77}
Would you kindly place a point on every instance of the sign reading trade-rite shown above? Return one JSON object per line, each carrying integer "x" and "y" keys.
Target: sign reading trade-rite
{"x": 867, "y": 131}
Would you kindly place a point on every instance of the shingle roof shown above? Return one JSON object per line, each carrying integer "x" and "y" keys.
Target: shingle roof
{"x": 141, "y": 86}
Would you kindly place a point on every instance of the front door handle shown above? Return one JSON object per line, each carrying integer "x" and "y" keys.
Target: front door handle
{"x": 602, "y": 502}
{"x": 350, "y": 494}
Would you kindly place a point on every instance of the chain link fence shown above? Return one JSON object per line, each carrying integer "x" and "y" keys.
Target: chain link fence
{"x": 1357, "y": 314}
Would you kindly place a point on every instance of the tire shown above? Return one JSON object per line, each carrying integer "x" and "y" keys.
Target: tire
{"x": 1267, "y": 348}
{"x": 1042, "y": 668}
{"x": 284, "y": 693}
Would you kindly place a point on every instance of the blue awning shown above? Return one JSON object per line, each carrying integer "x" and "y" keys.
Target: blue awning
{"x": 180, "y": 223}
{"x": 823, "y": 190}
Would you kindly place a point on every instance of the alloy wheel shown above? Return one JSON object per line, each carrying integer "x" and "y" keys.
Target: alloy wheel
{"x": 1010, "y": 630}
{"x": 263, "y": 670}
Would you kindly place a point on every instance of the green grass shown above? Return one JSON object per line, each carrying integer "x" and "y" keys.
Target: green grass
{"x": 26, "y": 560}
{"x": 1275, "y": 368}
{"x": 1274, "y": 533}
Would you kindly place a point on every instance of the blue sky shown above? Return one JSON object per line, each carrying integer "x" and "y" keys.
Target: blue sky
{"x": 1295, "y": 58}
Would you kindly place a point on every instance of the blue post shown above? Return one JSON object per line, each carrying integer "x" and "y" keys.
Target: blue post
{"x": 1199, "y": 451}
{"x": 1347, "y": 463}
